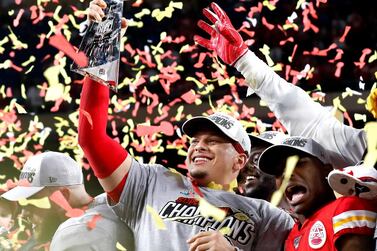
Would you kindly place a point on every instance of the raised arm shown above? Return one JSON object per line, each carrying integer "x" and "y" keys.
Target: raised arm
{"x": 291, "y": 105}
{"x": 109, "y": 160}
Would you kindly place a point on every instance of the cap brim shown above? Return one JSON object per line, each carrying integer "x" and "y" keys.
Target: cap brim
{"x": 336, "y": 177}
{"x": 272, "y": 160}
{"x": 20, "y": 192}
{"x": 255, "y": 140}
{"x": 191, "y": 126}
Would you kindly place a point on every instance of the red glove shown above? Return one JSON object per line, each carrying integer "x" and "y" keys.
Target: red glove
{"x": 225, "y": 40}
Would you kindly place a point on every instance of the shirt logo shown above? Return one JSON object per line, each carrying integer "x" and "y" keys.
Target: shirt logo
{"x": 317, "y": 235}
{"x": 186, "y": 211}
{"x": 296, "y": 242}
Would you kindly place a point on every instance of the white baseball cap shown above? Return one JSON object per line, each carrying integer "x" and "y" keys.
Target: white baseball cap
{"x": 49, "y": 169}
{"x": 269, "y": 161}
{"x": 228, "y": 125}
{"x": 359, "y": 180}
{"x": 268, "y": 137}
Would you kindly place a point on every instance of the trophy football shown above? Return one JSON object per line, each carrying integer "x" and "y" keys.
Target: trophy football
{"x": 101, "y": 45}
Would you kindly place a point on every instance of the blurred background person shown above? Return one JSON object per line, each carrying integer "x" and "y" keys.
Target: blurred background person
{"x": 41, "y": 176}
{"x": 8, "y": 214}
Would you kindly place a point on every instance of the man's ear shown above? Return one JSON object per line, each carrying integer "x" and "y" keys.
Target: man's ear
{"x": 241, "y": 161}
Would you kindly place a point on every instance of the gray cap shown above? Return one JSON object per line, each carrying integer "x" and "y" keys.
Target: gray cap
{"x": 269, "y": 161}
{"x": 268, "y": 137}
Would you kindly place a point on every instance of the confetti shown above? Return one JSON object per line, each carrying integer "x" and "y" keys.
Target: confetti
{"x": 60, "y": 200}
{"x": 91, "y": 224}
{"x": 208, "y": 210}
{"x": 156, "y": 218}
{"x": 43, "y": 203}
{"x": 371, "y": 133}
{"x": 371, "y": 104}
{"x": 289, "y": 167}
{"x": 118, "y": 245}
{"x": 63, "y": 45}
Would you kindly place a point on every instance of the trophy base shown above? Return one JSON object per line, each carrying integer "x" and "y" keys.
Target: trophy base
{"x": 104, "y": 74}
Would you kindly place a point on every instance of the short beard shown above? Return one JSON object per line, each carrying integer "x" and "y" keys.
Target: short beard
{"x": 198, "y": 174}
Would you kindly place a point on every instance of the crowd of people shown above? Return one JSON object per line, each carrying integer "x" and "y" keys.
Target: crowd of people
{"x": 327, "y": 204}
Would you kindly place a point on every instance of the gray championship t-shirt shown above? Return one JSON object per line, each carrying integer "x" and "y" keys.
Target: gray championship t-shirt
{"x": 254, "y": 224}
{"x": 75, "y": 234}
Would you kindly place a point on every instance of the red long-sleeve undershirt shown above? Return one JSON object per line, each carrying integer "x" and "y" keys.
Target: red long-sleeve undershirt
{"x": 103, "y": 153}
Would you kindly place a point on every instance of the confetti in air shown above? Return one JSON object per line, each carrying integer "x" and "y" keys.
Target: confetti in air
{"x": 165, "y": 78}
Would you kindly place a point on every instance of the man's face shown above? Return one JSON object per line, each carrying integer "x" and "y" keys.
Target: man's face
{"x": 258, "y": 184}
{"x": 308, "y": 190}
{"x": 6, "y": 220}
{"x": 44, "y": 221}
{"x": 212, "y": 157}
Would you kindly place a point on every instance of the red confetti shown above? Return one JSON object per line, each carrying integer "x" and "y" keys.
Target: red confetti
{"x": 16, "y": 21}
{"x": 93, "y": 221}
{"x": 254, "y": 10}
{"x": 88, "y": 117}
{"x": 189, "y": 97}
{"x": 339, "y": 54}
{"x": 33, "y": 10}
{"x": 61, "y": 43}
{"x": 339, "y": 67}
{"x": 283, "y": 42}
{"x": 348, "y": 118}
{"x": 165, "y": 127}
{"x": 58, "y": 102}
{"x": 347, "y": 29}
{"x": 60, "y": 200}
{"x": 199, "y": 64}
{"x": 361, "y": 62}
{"x": 268, "y": 25}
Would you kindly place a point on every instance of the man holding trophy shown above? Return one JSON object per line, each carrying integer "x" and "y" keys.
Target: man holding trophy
{"x": 219, "y": 149}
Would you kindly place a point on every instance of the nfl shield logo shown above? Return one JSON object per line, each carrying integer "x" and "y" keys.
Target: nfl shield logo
{"x": 317, "y": 235}
{"x": 296, "y": 242}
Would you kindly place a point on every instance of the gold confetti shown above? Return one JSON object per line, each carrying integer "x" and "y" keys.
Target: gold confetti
{"x": 2, "y": 42}
{"x": 289, "y": 167}
{"x": 371, "y": 104}
{"x": 43, "y": 203}
{"x": 208, "y": 210}
{"x": 20, "y": 109}
{"x": 120, "y": 247}
{"x": 269, "y": 5}
{"x": 266, "y": 52}
{"x": 372, "y": 57}
{"x": 225, "y": 230}
{"x": 371, "y": 133}
{"x": 156, "y": 218}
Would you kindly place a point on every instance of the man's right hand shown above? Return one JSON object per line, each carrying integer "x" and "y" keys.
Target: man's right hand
{"x": 96, "y": 13}
{"x": 225, "y": 39}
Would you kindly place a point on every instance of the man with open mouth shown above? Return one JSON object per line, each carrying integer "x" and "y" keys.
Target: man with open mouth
{"x": 253, "y": 182}
{"x": 326, "y": 223}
